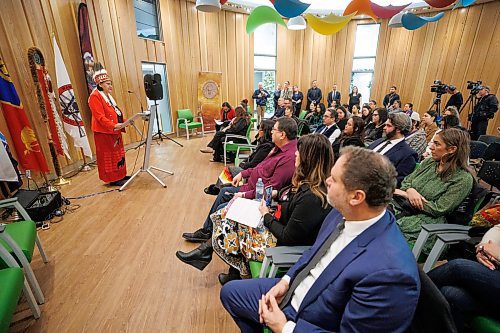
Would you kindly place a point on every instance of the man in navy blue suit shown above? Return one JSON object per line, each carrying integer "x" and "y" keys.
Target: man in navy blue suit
{"x": 394, "y": 146}
{"x": 359, "y": 276}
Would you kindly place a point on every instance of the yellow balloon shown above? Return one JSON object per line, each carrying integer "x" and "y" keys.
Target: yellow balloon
{"x": 330, "y": 24}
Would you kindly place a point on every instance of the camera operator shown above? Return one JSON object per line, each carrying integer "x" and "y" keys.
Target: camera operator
{"x": 456, "y": 98}
{"x": 487, "y": 105}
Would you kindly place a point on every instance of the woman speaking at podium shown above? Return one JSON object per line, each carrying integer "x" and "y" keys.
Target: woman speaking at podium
{"x": 107, "y": 124}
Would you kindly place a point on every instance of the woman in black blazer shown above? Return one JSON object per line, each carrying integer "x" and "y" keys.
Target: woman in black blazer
{"x": 352, "y": 136}
{"x": 297, "y": 98}
{"x": 304, "y": 206}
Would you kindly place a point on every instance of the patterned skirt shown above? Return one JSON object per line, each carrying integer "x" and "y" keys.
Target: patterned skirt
{"x": 110, "y": 156}
{"x": 236, "y": 243}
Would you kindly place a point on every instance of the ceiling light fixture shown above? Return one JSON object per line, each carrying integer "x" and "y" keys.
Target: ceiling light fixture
{"x": 296, "y": 23}
{"x": 208, "y": 6}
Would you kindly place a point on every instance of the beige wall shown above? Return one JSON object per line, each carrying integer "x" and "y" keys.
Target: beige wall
{"x": 464, "y": 45}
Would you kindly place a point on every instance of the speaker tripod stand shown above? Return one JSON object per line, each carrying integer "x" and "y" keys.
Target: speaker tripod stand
{"x": 159, "y": 134}
{"x": 146, "y": 167}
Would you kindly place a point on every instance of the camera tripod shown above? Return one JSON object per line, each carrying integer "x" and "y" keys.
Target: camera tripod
{"x": 471, "y": 102}
{"x": 437, "y": 103}
{"x": 159, "y": 134}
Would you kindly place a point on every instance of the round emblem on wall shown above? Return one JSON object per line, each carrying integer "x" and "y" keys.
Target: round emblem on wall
{"x": 210, "y": 89}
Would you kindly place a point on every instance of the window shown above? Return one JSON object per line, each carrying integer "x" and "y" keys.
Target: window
{"x": 146, "y": 19}
{"x": 363, "y": 65}
{"x": 265, "y": 61}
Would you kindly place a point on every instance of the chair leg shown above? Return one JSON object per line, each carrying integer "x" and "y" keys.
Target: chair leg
{"x": 35, "y": 309}
{"x": 225, "y": 161}
{"x": 434, "y": 255}
{"x": 41, "y": 250}
{"x": 263, "y": 269}
{"x": 274, "y": 271}
{"x": 187, "y": 133}
{"x": 420, "y": 242}
{"x": 28, "y": 272}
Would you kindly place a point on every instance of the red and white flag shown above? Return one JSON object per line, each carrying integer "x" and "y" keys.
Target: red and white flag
{"x": 72, "y": 118}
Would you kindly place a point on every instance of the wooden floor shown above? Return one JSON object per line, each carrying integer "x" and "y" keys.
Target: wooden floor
{"x": 112, "y": 262}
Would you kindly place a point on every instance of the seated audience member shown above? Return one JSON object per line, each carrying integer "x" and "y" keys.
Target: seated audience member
{"x": 352, "y": 135}
{"x": 373, "y": 104}
{"x": 359, "y": 276}
{"x": 226, "y": 115}
{"x": 303, "y": 209}
{"x": 329, "y": 127}
{"x": 355, "y": 110}
{"x": 312, "y": 109}
{"x": 315, "y": 118}
{"x": 451, "y": 121}
{"x": 394, "y": 146}
{"x": 451, "y": 111}
{"x": 438, "y": 186}
{"x": 429, "y": 124}
{"x": 471, "y": 287}
{"x": 341, "y": 119}
{"x": 395, "y": 107}
{"x": 366, "y": 114}
{"x": 238, "y": 126}
{"x": 275, "y": 170}
{"x": 302, "y": 126}
{"x": 375, "y": 129}
{"x": 408, "y": 109}
{"x": 264, "y": 145}
{"x": 280, "y": 109}
{"x": 244, "y": 104}
{"x": 416, "y": 138}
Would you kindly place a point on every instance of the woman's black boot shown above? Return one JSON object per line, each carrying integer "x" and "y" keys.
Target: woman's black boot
{"x": 233, "y": 274}
{"x": 199, "y": 257}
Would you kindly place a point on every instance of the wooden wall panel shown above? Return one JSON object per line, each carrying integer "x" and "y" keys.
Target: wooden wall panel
{"x": 192, "y": 42}
{"x": 463, "y": 46}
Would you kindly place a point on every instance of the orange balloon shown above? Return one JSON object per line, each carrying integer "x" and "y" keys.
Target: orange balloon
{"x": 360, "y": 6}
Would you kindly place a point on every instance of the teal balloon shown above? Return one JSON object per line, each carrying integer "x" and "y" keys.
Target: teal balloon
{"x": 411, "y": 21}
{"x": 463, "y": 3}
{"x": 290, "y": 8}
{"x": 262, "y": 15}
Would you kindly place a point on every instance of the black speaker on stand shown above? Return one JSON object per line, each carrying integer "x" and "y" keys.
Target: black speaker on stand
{"x": 154, "y": 91}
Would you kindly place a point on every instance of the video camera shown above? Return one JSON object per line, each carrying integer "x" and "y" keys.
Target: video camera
{"x": 438, "y": 87}
{"x": 474, "y": 87}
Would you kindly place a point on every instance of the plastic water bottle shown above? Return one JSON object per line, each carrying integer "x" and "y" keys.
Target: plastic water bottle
{"x": 259, "y": 190}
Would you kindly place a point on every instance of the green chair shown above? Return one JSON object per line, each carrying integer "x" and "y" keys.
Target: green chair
{"x": 12, "y": 281}
{"x": 11, "y": 286}
{"x": 302, "y": 114}
{"x": 19, "y": 239}
{"x": 231, "y": 146}
{"x": 482, "y": 324}
{"x": 185, "y": 120}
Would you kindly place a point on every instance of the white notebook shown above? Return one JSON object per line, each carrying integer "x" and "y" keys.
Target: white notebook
{"x": 245, "y": 211}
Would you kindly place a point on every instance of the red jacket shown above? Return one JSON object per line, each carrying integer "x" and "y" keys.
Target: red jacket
{"x": 104, "y": 117}
{"x": 229, "y": 115}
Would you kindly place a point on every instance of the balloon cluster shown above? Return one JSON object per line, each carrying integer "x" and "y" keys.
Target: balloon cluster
{"x": 332, "y": 23}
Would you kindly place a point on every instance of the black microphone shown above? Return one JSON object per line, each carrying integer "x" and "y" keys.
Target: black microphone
{"x": 131, "y": 92}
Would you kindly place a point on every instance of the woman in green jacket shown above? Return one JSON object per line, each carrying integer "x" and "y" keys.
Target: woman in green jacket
{"x": 438, "y": 186}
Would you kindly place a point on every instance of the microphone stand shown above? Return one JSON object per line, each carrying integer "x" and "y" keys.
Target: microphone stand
{"x": 159, "y": 133}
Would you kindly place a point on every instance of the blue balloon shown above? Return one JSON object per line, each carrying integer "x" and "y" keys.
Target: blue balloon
{"x": 411, "y": 21}
{"x": 290, "y": 8}
{"x": 463, "y": 3}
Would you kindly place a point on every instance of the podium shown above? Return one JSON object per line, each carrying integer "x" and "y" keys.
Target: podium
{"x": 146, "y": 167}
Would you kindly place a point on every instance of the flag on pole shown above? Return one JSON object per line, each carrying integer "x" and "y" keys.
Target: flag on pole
{"x": 25, "y": 142}
{"x": 72, "y": 119}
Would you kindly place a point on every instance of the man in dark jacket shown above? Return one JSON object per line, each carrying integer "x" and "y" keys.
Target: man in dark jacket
{"x": 333, "y": 95}
{"x": 260, "y": 95}
{"x": 391, "y": 97}
{"x": 394, "y": 147}
{"x": 313, "y": 95}
{"x": 487, "y": 105}
{"x": 456, "y": 98}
